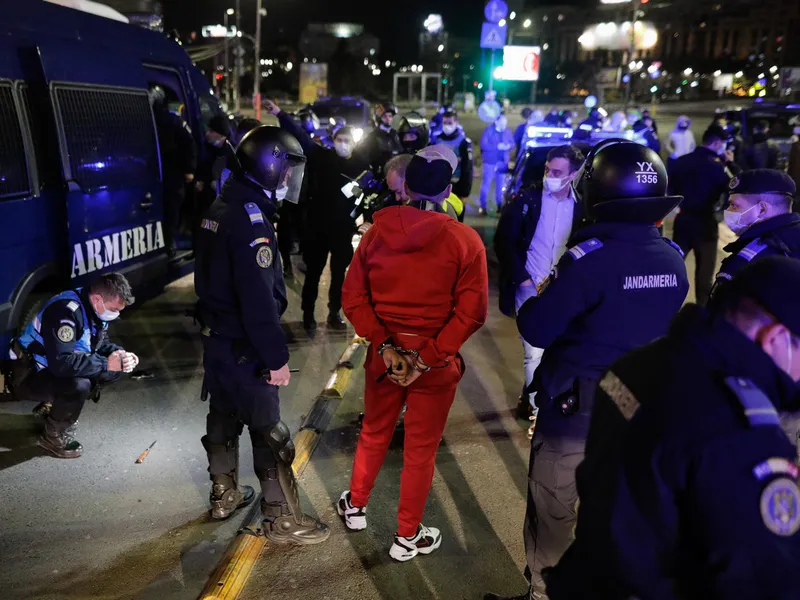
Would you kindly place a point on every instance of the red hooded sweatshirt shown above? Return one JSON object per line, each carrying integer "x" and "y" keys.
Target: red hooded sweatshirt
{"x": 418, "y": 272}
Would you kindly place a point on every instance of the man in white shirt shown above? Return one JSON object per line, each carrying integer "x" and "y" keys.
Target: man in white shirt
{"x": 531, "y": 237}
{"x": 681, "y": 140}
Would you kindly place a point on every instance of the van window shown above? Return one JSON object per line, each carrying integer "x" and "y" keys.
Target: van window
{"x": 110, "y": 136}
{"x": 209, "y": 107}
{"x": 13, "y": 168}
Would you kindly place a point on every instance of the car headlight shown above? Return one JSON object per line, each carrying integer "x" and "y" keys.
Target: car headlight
{"x": 358, "y": 133}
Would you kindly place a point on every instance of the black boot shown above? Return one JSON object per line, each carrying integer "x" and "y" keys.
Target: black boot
{"x": 59, "y": 441}
{"x": 336, "y": 322}
{"x": 289, "y": 529}
{"x": 309, "y": 323}
{"x": 524, "y": 409}
{"x": 288, "y": 271}
{"x": 226, "y": 496}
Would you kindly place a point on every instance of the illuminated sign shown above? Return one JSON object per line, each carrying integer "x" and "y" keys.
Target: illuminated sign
{"x": 520, "y": 63}
{"x": 218, "y": 31}
{"x": 433, "y": 24}
{"x": 614, "y": 36}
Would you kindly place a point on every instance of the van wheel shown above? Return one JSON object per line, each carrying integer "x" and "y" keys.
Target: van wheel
{"x": 33, "y": 304}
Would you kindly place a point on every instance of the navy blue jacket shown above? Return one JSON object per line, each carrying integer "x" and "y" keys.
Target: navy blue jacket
{"x": 616, "y": 289}
{"x": 678, "y": 501}
{"x": 519, "y": 135}
{"x": 238, "y": 276}
{"x": 513, "y": 238}
{"x": 701, "y": 178}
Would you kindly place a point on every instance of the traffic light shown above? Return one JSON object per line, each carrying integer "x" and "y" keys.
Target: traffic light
{"x": 218, "y": 76}
{"x": 444, "y": 81}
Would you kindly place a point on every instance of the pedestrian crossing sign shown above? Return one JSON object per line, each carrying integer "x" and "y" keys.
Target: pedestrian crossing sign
{"x": 493, "y": 36}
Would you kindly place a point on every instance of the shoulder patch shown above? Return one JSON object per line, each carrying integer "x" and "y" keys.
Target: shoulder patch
{"x": 780, "y": 507}
{"x": 264, "y": 257}
{"x": 758, "y": 409}
{"x": 254, "y": 213}
{"x": 584, "y": 248}
{"x": 72, "y": 305}
{"x": 674, "y": 245}
{"x": 66, "y": 333}
{"x": 619, "y": 393}
{"x": 257, "y": 241}
{"x": 733, "y": 183}
{"x": 752, "y": 250}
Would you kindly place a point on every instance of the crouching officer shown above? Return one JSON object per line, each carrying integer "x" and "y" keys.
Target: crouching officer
{"x": 674, "y": 424}
{"x": 63, "y": 356}
{"x": 616, "y": 288}
{"x": 239, "y": 283}
{"x": 760, "y": 213}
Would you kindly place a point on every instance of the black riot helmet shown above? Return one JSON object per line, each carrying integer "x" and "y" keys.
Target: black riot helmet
{"x": 382, "y": 109}
{"x": 273, "y": 159}
{"x": 413, "y": 130}
{"x": 308, "y": 119}
{"x": 625, "y": 182}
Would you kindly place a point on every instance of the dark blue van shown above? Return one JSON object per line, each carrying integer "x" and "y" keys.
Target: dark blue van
{"x": 80, "y": 173}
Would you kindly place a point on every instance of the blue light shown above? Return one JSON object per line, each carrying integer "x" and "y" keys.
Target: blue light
{"x": 590, "y": 102}
{"x": 626, "y": 78}
{"x": 98, "y": 165}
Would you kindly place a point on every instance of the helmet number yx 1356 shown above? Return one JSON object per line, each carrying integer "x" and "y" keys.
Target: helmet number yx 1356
{"x": 646, "y": 173}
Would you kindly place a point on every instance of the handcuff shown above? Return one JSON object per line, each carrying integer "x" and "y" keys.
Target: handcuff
{"x": 414, "y": 354}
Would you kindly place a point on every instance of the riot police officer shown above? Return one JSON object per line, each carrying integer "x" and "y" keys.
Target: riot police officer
{"x": 760, "y": 213}
{"x": 413, "y": 132}
{"x": 616, "y": 288}
{"x": 689, "y": 485}
{"x": 383, "y": 142}
{"x": 241, "y": 294}
{"x": 453, "y": 136}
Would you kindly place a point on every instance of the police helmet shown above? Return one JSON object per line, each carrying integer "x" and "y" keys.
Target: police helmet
{"x": 382, "y": 109}
{"x": 413, "y": 130}
{"x": 308, "y": 119}
{"x": 273, "y": 159}
{"x": 624, "y": 181}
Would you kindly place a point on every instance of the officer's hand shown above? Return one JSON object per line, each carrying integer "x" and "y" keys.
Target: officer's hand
{"x": 189, "y": 177}
{"x": 527, "y": 283}
{"x": 728, "y": 156}
{"x": 199, "y": 185}
{"x": 280, "y": 377}
{"x": 271, "y": 107}
{"x": 129, "y": 362}
{"x": 115, "y": 361}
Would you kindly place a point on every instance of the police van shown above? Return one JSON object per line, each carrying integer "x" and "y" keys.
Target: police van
{"x": 80, "y": 172}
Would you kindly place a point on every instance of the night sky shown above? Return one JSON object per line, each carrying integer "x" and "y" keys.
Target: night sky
{"x": 287, "y": 18}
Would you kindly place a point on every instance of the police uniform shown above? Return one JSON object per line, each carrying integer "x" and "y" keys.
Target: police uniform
{"x": 616, "y": 288}
{"x": 380, "y": 145}
{"x": 689, "y": 485}
{"x": 239, "y": 283}
{"x": 66, "y": 346}
{"x": 778, "y": 235}
{"x": 461, "y": 145}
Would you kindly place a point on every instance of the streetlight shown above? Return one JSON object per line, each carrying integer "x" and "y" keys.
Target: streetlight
{"x": 739, "y": 74}
{"x": 512, "y": 16}
{"x": 687, "y": 71}
{"x": 502, "y": 22}
{"x": 717, "y": 73}
{"x": 289, "y": 66}
{"x": 260, "y": 13}
{"x": 441, "y": 47}
{"x": 228, "y": 13}
{"x": 526, "y": 23}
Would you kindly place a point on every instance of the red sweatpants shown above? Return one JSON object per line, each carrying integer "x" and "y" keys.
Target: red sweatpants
{"x": 428, "y": 399}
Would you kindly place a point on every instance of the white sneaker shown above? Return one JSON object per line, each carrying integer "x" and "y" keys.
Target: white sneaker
{"x": 354, "y": 516}
{"x": 426, "y": 541}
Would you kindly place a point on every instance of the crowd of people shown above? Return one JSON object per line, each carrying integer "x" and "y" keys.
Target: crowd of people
{"x": 646, "y": 412}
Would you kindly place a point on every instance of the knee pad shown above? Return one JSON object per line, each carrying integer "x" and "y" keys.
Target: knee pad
{"x": 222, "y": 428}
{"x": 278, "y": 439}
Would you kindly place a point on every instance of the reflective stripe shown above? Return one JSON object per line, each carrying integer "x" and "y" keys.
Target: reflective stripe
{"x": 752, "y": 250}
{"x": 624, "y": 399}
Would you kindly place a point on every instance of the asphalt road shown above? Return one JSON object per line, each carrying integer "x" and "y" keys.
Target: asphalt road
{"x": 103, "y": 528}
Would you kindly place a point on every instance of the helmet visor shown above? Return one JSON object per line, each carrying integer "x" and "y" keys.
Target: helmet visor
{"x": 291, "y": 180}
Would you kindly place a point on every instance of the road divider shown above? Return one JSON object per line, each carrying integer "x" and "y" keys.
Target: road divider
{"x": 231, "y": 575}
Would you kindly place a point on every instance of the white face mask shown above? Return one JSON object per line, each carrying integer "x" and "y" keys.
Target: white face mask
{"x": 280, "y": 193}
{"x": 448, "y": 129}
{"x": 106, "y": 315}
{"x": 343, "y": 149}
{"x": 734, "y": 220}
{"x": 501, "y": 125}
{"x": 554, "y": 184}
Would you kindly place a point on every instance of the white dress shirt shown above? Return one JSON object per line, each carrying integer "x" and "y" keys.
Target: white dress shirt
{"x": 549, "y": 241}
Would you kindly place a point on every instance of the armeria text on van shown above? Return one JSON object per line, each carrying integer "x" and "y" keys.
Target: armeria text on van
{"x": 115, "y": 248}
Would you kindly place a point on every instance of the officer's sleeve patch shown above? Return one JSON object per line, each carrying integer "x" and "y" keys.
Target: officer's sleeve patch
{"x": 66, "y": 333}
{"x": 210, "y": 225}
{"x": 620, "y": 394}
{"x": 674, "y": 245}
{"x": 758, "y": 408}
{"x": 264, "y": 257}
{"x": 72, "y": 305}
{"x": 255, "y": 214}
{"x": 780, "y": 507}
{"x": 257, "y": 241}
{"x": 752, "y": 250}
{"x": 585, "y": 248}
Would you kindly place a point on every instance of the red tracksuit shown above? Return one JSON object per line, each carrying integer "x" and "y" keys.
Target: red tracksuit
{"x": 420, "y": 278}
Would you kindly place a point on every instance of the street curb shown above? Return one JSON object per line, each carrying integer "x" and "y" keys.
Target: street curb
{"x": 231, "y": 575}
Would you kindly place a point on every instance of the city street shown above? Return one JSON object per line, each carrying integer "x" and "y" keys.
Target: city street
{"x": 104, "y": 527}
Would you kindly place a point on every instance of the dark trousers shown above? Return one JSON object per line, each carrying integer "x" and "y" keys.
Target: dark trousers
{"x": 700, "y": 234}
{"x": 174, "y": 199}
{"x": 239, "y": 396}
{"x": 316, "y": 249}
{"x": 289, "y": 228}
{"x": 66, "y": 394}
{"x": 556, "y": 451}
